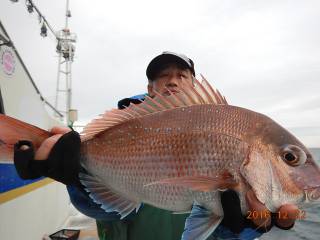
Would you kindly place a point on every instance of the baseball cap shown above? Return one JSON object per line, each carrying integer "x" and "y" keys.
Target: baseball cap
{"x": 165, "y": 58}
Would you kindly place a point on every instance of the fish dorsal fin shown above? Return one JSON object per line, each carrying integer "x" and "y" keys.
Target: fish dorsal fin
{"x": 188, "y": 95}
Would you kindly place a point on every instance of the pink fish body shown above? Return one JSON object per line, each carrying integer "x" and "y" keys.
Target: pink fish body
{"x": 185, "y": 149}
{"x": 179, "y": 151}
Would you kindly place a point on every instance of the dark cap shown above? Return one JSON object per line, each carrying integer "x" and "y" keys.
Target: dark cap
{"x": 159, "y": 61}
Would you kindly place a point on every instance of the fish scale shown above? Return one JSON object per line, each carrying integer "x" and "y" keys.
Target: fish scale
{"x": 196, "y": 148}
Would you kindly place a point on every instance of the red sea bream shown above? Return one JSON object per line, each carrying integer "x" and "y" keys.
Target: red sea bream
{"x": 182, "y": 150}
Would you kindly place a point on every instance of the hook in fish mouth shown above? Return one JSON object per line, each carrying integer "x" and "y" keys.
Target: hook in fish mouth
{"x": 312, "y": 194}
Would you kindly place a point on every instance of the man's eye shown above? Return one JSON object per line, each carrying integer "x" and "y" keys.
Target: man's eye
{"x": 183, "y": 76}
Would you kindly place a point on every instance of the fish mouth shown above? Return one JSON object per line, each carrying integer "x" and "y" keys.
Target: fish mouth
{"x": 312, "y": 194}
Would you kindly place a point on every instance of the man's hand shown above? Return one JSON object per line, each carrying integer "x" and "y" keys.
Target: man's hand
{"x": 57, "y": 157}
{"x": 45, "y": 148}
{"x": 236, "y": 222}
{"x": 288, "y": 210}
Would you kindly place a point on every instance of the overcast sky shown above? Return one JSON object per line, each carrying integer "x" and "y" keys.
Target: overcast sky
{"x": 262, "y": 55}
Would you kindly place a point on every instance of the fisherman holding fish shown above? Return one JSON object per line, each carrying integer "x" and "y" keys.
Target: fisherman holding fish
{"x": 59, "y": 157}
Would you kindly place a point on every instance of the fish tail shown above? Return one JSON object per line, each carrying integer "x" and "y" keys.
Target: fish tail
{"x": 12, "y": 131}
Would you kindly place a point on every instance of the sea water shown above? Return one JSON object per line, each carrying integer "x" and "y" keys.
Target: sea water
{"x": 308, "y": 229}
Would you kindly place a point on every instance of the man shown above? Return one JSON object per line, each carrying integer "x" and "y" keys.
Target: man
{"x": 165, "y": 73}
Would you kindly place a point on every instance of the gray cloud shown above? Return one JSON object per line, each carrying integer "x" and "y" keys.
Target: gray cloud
{"x": 263, "y": 55}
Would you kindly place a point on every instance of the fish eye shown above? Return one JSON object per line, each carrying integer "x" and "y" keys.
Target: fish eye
{"x": 293, "y": 155}
{"x": 290, "y": 157}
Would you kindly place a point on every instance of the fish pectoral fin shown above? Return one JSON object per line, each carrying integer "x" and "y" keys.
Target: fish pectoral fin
{"x": 199, "y": 183}
{"x": 109, "y": 200}
{"x": 200, "y": 224}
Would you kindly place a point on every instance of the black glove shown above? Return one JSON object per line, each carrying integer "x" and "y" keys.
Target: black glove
{"x": 62, "y": 165}
{"x": 233, "y": 218}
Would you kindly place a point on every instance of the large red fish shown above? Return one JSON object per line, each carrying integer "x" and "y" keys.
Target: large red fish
{"x": 181, "y": 150}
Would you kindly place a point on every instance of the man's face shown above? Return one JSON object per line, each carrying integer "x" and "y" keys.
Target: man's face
{"x": 169, "y": 78}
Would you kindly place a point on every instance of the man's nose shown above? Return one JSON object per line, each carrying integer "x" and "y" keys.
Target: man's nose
{"x": 171, "y": 84}
{"x": 173, "y": 81}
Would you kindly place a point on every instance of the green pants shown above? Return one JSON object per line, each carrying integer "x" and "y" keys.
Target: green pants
{"x": 149, "y": 223}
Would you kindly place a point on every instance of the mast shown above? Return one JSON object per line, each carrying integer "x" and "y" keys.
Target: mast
{"x": 65, "y": 49}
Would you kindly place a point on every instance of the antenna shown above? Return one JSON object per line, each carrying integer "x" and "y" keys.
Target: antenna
{"x": 65, "y": 48}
